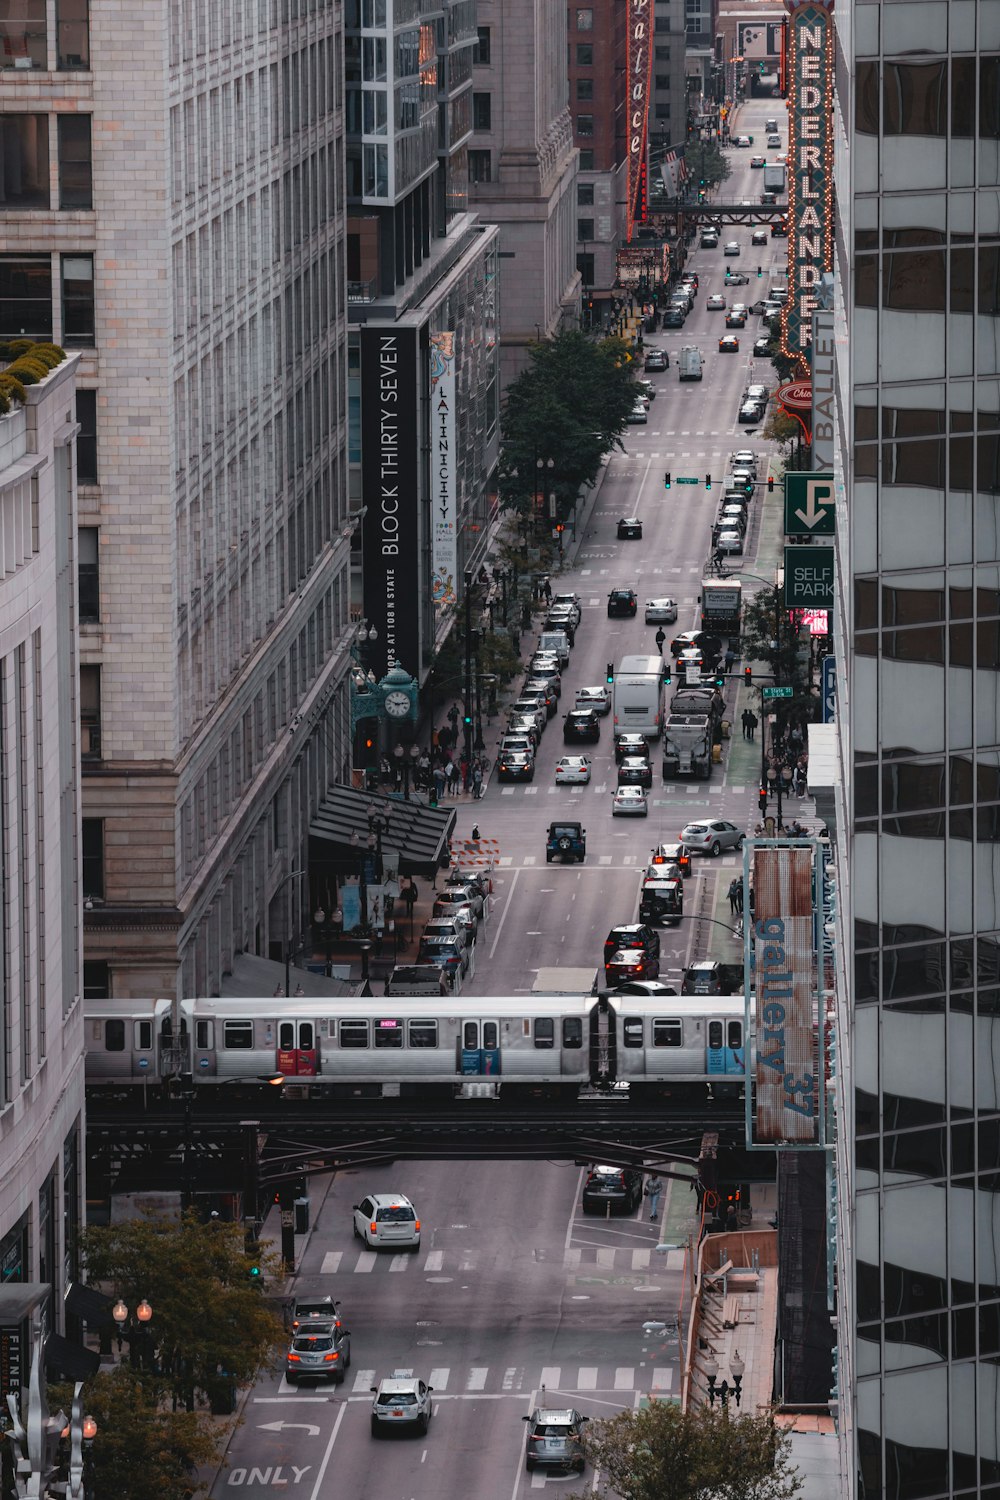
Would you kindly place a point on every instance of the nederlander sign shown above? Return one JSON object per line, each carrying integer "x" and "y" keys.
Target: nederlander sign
{"x": 810, "y": 167}
{"x": 640, "y": 62}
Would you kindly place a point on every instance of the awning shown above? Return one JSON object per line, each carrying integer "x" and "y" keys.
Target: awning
{"x": 419, "y": 833}
{"x": 254, "y": 978}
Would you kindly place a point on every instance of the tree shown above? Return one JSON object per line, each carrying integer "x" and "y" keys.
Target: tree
{"x": 142, "y": 1451}
{"x": 664, "y": 1453}
{"x": 705, "y": 160}
{"x": 211, "y": 1328}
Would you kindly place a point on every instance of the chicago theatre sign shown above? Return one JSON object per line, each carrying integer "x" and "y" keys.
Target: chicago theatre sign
{"x": 810, "y": 168}
{"x": 640, "y": 65}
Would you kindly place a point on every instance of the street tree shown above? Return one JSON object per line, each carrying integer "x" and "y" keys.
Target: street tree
{"x": 664, "y": 1453}
{"x": 142, "y": 1451}
{"x": 768, "y": 635}
{"x": 707, "y": 163}
{"x": 211, "y": 1327}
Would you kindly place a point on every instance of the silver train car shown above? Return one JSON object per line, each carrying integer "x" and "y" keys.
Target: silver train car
{"x": 450, "y": 1047}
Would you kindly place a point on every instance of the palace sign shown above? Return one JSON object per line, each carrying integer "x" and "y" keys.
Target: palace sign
{"x": 810, "y": 168}
{"x": 640, "y": 64}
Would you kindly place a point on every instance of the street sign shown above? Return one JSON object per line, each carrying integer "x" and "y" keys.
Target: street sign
{"x": 809, "y": 507}
{"x": 808, "y": 577}
{"x": 777, "y": 692}
{"x": 682, "y": 480}
{"x": 828, "y": 694}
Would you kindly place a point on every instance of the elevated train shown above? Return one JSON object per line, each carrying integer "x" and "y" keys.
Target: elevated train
{"x": 688, "y": 1048}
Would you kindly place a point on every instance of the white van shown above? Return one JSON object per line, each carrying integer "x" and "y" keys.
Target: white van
{"x": 556, "y": 641}
{"x": 637, "y": 700}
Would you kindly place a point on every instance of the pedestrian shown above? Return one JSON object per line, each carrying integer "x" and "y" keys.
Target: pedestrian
{"x": 746, "y": 716}
{"x": 730, "y": 658}
{"x": 475, "y": 833}
{"x": 734, "y": 886}
{"x": 547, "y": 589}
{"x": 450, "y": 775}
{"x": 786, "y": 778}
{"x": 653, "y": 1192}
{"x": 477, "y": 781}
{"x": 659, "y": 638}
{"x": 464, "y": 767}
{"x": 753, "y": 725}
{"x": 439, "y": 782}
{"x": 739, "y": 897}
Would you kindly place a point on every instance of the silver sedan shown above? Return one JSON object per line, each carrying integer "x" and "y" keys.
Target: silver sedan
{"x": 629, "y": 801}
{"x": 660, "y": 611}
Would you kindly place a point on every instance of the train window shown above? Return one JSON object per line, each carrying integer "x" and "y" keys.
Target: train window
{"x": 470, "y": 1036}
{"x": 491, "y": 1038}
{"x": 286, "y": 1035}
{"x": 572, "y": 1030}
{"x": 354, "y": 1033}
{"x": 306, "y": 1039}
{"x": 667, "y": 1032}
{"x": 237, "y": 1036}
{"x": 632, "y": 1031}
{"x": 715, "y": 1034}
{"x": 143, "y": 1040}
{"x": 423, "y": 1033}
{"x": 203, "y": 1036}
{"x": 389, "y": 1034}
{"x": 545, "y": 1031}
{"x": 114, "y": 1036}
{"x": 734, "y": 1035}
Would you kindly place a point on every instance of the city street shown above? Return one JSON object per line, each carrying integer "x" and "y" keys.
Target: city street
{"x": 513, "y": 1289}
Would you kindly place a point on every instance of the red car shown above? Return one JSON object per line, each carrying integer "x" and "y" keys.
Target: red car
{"x": 631, "y": 963}
{"x": 632, "y": 935}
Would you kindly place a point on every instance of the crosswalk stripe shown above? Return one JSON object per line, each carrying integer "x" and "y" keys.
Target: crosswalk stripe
{"x": 551, "y": 1377}
{"x": 586, "y": 1379}
{"x": 572, "y": 1258}
{"x": 605, "y": 859}
{"x": 439, "y": 1379}
{"x": 331, "y": 1262}
{"x": 434, "y": 1261}
{"x": 366, "y": 1261}
{"x": 663, "y": 1378}
{"x": 363, "y": 1380}
{"x": 640, "y": 1259}
{"x": 399, "y": 1263}
{"x": 624, "y": 1378}
{"x": 675, "y": 1260}
{"x": 510, "y": 1381}
{"x": 606, "y": 1256}
{"x": 477, "y": 1378}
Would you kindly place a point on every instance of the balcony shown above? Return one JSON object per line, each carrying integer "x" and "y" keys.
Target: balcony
{"x": 362, "y": 291}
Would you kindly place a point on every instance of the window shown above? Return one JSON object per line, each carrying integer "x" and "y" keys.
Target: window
{"x": 24, "y": 157}
{"x": 92, "y": 858}
{"x": 585, "y": 266}
{"x": 585, "y": 229}
{"x": 76, "y": 188}
{"x": 584, "y": 20}
{"x": 585, "y": 88}
{"x": 545, "y": 1032}
{"x": 586, "y": 161}
{"x": 23, "y": 35}
{"x": 142, "y": 1036}
{"x": 114, "y": 1036}
{"x": 90, "y": 713}
{"x": 572, "y": 1032}
{"x": 354, "y": 1033}
{"x": 88, "y": 573}
{"x": 78, "y": 301}
{"x": 734, "y": 1035}
{"x": 388, "y": 1034}
{"x": 237, "y": 1036}
{"x": 491, "y": 1036}
{"x": 73, "y": 33}
{"x": 482, "y": 111}
{"x": 26, "y": 296}
{"x": 584, "y": 55}
{"x": 86, "y": 438}
{"x": 662, "y": 54}
{"x": 203, "y": 1038}
{"x": 422, "y": 1033}
{"x": 584, "y": 193}
{"x": 480, "y": 166}
{"x": 668, "y": 1032}
{"x": 584, "y": 124}
{"x": 481, "y": 54}
{"x": 661, "y": 81}
{"x": 632, "y": 1031}
{"x": 96, "y": 979}
{"x": 714, "y": 1035}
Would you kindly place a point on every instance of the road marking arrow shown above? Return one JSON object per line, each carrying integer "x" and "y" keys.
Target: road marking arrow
{"x": 280, "y": 1426}
{"x": 812, "y": 515}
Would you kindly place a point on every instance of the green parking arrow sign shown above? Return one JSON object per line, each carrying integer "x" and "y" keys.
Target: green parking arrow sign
{"x": 809, "y": 507}
{"x": 809, "y": 577}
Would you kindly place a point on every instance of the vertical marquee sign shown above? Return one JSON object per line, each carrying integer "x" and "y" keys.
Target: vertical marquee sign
{"x": 390, "y": 470}
{"x": 444, "y": 472}
{"x": 810, "y": 168}
{"x": 788, "y": 1090}
{"x": 640, "y": 65}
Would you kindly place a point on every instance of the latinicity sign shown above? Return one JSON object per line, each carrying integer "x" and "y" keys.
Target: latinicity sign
{"x": 390, "y": 466}
{"x": 810, "y": 168}
{"x": 639, "y": 74}
{"x": 787, "y": 1091}
{"x": 444, "y": 506}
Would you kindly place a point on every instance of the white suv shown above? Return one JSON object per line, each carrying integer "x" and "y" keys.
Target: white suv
{"x": 387, "y": 1221}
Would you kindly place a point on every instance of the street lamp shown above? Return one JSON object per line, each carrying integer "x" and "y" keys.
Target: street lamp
{"x": 133, "y": 1327}
{"x": 544, "y": 466}
{"x": 292, "y": 875}
{"x": 724, "y": 1390}
{"x": 407, "y": 761}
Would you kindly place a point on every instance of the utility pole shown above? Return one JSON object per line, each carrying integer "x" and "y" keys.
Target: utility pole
{"x": 467, "y": 716}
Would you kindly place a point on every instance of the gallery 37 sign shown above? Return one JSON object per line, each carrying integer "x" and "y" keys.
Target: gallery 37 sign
{"x": 640, "y": 62}
{"x": 810, "y": 167}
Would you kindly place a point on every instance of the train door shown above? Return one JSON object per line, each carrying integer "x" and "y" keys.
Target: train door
{"x": 480, "y": 1048}
{"x": 205, "y": 1062}
{"x": 297, "y": 1049}
{"x": 715, "y": 1052}
{"x": 603, "y": 1045}
{"x": 735, "y": 1056}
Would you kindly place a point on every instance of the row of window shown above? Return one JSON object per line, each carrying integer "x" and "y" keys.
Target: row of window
{"x": 666, "y": 1031}
{"x": 915, "y": 98}
{"x": 24, "y": 35}
{"x": 25, "y": 150}
{"x": 26, "y": 306}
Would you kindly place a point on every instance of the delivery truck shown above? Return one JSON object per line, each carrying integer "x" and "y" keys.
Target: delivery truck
{"x": 689, "y": 363}
{"x": 637, "y": 697}
{"x": 774, "y": 178}
{"x": 687, "y": 746}
{"x": 721, "y": 605}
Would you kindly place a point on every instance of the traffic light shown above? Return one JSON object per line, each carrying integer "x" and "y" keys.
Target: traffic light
{"x": 253, "y": 1272}
{"x": 467, "y": 721}
{"x": 560, "y": 526}
{"x": 770, "y": 484}
{"x": 759, "y": 271}
{"x": 720, "y": 678}
{"x": 611, "y": 673}
{"x": 748, "y": 486}
{"x": 708, "y": 481}
{"x": 366, "y": 744}
{"x": 747, "y": 677}
{"x": 666, "y": 480}
{"x": 666, "y": 674}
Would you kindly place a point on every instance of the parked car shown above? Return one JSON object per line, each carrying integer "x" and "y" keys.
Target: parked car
{"x": 751, "y": 412}
{"x": 762, "y": 346}
{"x": 612, "y": 1189}
{"x": 570, "y": 602}
{"x": 638, "y": 414}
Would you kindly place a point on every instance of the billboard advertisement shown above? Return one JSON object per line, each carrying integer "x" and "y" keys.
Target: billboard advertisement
{"x": 810, "y": 170}
{"x": 787, "y": 1089}
{"x": 639, "y": 56}
{"x": 390, "y": 470}
{"x": 444, "y": 473}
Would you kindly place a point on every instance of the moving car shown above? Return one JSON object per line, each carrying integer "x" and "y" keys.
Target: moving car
{"x": 401, "y": 1401}
{"x": 638, "y": 413}
{"x": 774, "y": 141}
{"x": 632, "y": 935}
{"x": 762, "y": 346}
{"x": 673, "y": 317}
{"x": 581, "y": 726}
{"x": 629, "y": 801}
{"x": 729, "y": 344}
{"x": 656, "y": 359}
{"x": 572, "y": 770}
{"x": 672, "y": 854}
{"x": 661, "y": 611}
{"x": 305, "y": 1309}
{"x": 515, "y": 765}
{"x": 778, "y": 293}
{"x": 736, "y": 278}
{"x": 709, "y": 239}
{"x": 612, "y": 1190}
{"x": 729, "y": 543}
{"x": 735, "y": 318}
{"x": 597, "y": 698}
{"x": 731, "y": 247}
{"x": 711, "y": 836}
{"x": 622, "y": 602}
{"x": 512, "y": 742}
{"x": 635, "y": 771}
{"x": 554, "y": 1439}
{"x": 716, "y": 303}
{"x": 630, "y": 529}
{"x": 750, "y": 412}
{"x": 567, "y": 840}
{"x": 627, "y": 964}
{"x": 320, "y": 1350}
{"x": 630, "y": 744}
{"x": 662, "y": 901}
{"x": 387, "y": 1221}
{"x": 758, "y": 161}
{"x": 759, "y": 237}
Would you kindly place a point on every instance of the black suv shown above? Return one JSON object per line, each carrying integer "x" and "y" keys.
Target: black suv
{"x": 616, "y": 1188}
{"x": 622, "y": 602}
{"x": 630, "y": 529}
{"x": 632, "y": 935}
{"x": 568, "y": 840}
{"x": 581, "y": 726}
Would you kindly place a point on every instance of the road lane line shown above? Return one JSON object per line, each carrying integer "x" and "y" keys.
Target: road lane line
{"x": 439, "y": 1379}
{"x": 503, "y": 915}
{"x": 331, "y": 1262}
{"x": 329, "y": 1452}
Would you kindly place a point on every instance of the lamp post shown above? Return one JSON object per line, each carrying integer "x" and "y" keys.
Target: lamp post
{"x": 407, "y": 759}
{"x": 543, "y": 466}
{"x": 723, "y": 1391}
{"x": 292, "y": 875}
{"x": 365, "y": 636}
{"x": 134, "y": 1327}
{"x": 467, "y": 715}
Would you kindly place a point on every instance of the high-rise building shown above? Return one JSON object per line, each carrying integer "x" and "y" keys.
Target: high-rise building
{"x": 669, "y": 103}
{"x": 171, "y": 206}
{"x": 41, "y": 1062}
{"x": 598, "y": 88}
{"x": 522, "y": 169}
{"x": 917, "y": 187}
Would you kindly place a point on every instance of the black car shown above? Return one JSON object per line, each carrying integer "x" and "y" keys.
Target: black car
{"x": 630, "y": 529}
{"x": 581, "y": 726}
{"x": 632, "y": 935}
{"x": 707, "y": 643}
{"x": 662, "y": 901}
{"x": 635, "y": 745}
{"x": 622, "y": 602}
{"x": 673, "y": 318}
{"x": 614, "y": 1189}
{"x": 634, "y": 771}
{"x": 567, "y": 840}
{"x": 516, "y": 766}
